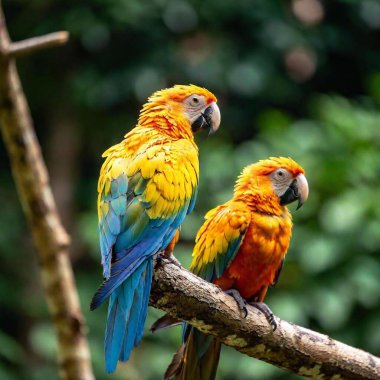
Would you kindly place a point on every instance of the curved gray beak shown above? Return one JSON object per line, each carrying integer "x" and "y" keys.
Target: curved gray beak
{"x": 298, "y": 190}
{"x": 209, "y": 119}
{"x": 302, "y": 190}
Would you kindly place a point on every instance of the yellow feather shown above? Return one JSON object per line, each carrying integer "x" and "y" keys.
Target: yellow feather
{"x": 151, "y": 193}
{"x": 157, "y": 210}
{"x": 152, "y": 152}
{"x": 118, "y": 167}
{"x": 218, "y": 246}
{"x": 169, "y": 176}
{"x": 104, "y": 207}
{"x": 193, "y": 178}
{"x": 107, "y": 187}
{"x": 223, "y": 225}
{"x": 132, "y": 168}
{"x": 147, "y": 169}
{"x": 161, "y": 182}
{"x": 224, "y": 243}
{"x": 165, "y": 208}
{"x": 188, "y": 190}
{"x": 170, "y": 194}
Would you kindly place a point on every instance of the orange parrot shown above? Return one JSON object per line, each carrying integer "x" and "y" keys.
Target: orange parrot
{"x": 241, "y": 248}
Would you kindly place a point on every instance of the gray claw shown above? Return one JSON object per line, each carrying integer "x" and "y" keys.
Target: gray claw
{"x": 242, "y": 303}
{"x": 267, "y": 313}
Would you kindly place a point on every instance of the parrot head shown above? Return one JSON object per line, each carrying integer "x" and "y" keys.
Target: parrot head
{"x": 194, "y": 105}
{"x": 289, "y": 181}
{"x": 280, "y": 177}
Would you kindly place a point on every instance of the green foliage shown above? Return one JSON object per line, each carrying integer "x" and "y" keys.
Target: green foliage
{"x": 321, "y": 108}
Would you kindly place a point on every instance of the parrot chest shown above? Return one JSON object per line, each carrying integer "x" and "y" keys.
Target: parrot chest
{"x": 145, "y": 190}
{"x": 261, "y": 254}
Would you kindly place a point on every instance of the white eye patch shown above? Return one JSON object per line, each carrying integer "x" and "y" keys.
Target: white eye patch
{"x": 281, "y": 180}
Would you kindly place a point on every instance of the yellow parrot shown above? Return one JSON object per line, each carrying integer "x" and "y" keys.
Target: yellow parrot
{"x": 148, "y": 184}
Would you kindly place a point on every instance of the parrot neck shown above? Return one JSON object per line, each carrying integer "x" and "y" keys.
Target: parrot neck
{"x": 166, "y": 121}
{"x": 262, "y": 203}
{"x": 257, "y": 193}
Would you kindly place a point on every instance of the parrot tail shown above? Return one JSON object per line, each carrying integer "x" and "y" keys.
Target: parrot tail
{"x": 127, "y": 310}
{"x": 196, "y": 359}
{"x": 165, "y": 322}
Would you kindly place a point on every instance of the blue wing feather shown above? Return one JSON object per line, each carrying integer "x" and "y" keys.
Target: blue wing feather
{"x": 129, "y": 239}
{"x": 110, "y": 222}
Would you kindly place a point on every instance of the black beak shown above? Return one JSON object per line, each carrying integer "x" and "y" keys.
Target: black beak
{"x": 199, "y": 123}
{"x": 209, "y": 119}
{"x": 298, "y": 190}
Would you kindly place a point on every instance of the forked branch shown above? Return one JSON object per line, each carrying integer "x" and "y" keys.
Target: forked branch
{"x": 32, "y": 182}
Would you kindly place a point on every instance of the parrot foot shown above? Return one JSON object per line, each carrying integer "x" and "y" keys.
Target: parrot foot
{"x": 242, "y": 303}
{"x": 162, "y": 256}
{"x": 267, "y": 313}
{"x": 174, "y": 261}
{"x": 158, "y": 261}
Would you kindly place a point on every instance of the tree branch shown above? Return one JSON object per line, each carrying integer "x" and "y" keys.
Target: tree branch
{"x": 31, "y": 45}
{"x": 50, "y": 238}
{"x": 299, "y": 350}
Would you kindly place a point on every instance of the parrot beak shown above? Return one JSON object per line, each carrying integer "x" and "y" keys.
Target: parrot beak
{"x": 209, "y": 118}
{"x": 298, "y": 190}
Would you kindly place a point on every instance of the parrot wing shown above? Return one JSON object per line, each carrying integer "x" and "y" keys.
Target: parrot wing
{"x": 142, "y": 202}
{"x": 216, "y": 245}
{"x": 219, "y": 239}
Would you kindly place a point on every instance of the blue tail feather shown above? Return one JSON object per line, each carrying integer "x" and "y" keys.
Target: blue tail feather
{"x": 113, "y": 283}
{"x": 128, "y": 287}
{"x": 116, "y": 323}
{"x": 147, "y": 285}
{"x": 124, "y": 313}
{"x": 133, "y": 319}
{"x": 122, "y": 269}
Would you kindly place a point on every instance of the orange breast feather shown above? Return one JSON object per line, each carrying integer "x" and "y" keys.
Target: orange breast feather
{"x": 259, "y": 257}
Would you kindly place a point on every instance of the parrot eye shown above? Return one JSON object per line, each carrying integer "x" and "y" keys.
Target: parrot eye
{"x": 195, "y": 101}
{"x": 281, "y": 174}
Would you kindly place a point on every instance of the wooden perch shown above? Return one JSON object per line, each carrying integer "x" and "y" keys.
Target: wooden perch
{"x": 291, "y": 347}
{"x": 32, "y": 182}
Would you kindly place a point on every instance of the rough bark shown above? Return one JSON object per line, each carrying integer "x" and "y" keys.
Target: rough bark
{"x": 32, "y": 182}
{"x": 291, "y": 347}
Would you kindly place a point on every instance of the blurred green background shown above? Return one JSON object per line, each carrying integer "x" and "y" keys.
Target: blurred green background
{"x": 295, "y": 78}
